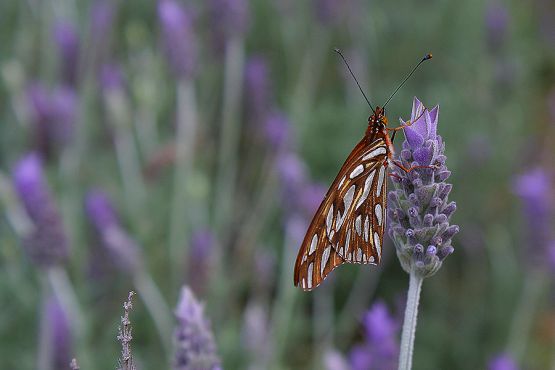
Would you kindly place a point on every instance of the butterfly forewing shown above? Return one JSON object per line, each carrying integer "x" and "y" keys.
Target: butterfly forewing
{"x": 349, "y": 224}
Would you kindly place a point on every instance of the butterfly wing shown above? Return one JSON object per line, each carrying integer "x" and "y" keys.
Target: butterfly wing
{"x": 336, "y": 233}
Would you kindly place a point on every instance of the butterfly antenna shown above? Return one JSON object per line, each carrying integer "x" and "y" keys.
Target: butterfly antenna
{"x": 426, "y": 57}
{"x": 352, "y": 74}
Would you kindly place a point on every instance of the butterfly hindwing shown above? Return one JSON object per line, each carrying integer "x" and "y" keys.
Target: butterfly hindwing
{"x": 349, "y": 224}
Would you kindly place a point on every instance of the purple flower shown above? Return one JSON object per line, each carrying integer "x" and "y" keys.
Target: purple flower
{"x": 276, "y": 129}
{"x": 496, "y": 21}
{"x": 257, "y": 88}
{"x": 59, "y": 333}
{"x": 67, "y": 42}
{"x": 195, "y": 347}
{"x": 46, "y": 244}
{"x": 419, "y": 210}
{"x": 178, "y": 37}
{"x": 101, "y": 214}
{"x": 535, "y": 188}
{"x": 329, "y": 12}
{"x": 380, "y": 349}
{"x": 102, "y": 19}
{"x": 502, "y": 362}
{"x": 53, "y": 116}
{"x": 229, "y": 19}
{"x": 202, "y": 245}
{"x": 111, "y": 77}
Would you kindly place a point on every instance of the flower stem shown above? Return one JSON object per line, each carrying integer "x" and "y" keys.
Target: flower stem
{"x": 532, "y": 292}
{"x": 409, "y": 324}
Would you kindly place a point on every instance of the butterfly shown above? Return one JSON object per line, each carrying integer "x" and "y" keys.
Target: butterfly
{"x": 349, "y": 225}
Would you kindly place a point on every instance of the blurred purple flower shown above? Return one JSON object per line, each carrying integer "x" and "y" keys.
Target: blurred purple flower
{"x": 535, "y": 189}
{"x": 330, "y": 12}
{"x": 111, "y": 77}
{"x": 53, "y": 116}
{"x": 496, "y": 22}
{"x": 380, "y": 349}
{"x": 178, "y": 37}
{"x": 257, "y": 88}
{"x": 255, "y": 333}
{"x": 59, "y": 334}
{"x": 102, "y": 216}
{"x": 418, "y": 209}
{"x": 229, "y": 19}
{"x": 195, "y": 347}
{"x": 102, "y": 20}
{"x": 276, "y": 130}
{"x": 200, "y": 260}
{"x": 333, "y": 360}
{"x": 66, "y": 37}
{"x": 46, "y": 244}
{"x": 502, "y": 362}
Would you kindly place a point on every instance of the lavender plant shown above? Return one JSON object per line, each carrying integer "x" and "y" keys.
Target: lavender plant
{"x": 46, "y": 243}
{"x": 194, "y": 344}
{"x": 419, "y": 213}
{"x": 380, "y": 349}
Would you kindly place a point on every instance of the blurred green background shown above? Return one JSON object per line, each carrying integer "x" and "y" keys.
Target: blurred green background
{"x": 206, "y": 137}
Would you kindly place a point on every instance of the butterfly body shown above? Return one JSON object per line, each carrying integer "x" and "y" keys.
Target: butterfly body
{"x": 348, "y": 226}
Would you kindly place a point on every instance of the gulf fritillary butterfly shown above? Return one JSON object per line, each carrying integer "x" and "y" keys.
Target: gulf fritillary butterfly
{"x": 348, "y": 226}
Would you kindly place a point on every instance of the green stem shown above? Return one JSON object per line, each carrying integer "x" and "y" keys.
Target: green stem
{"x": 230, "y": 134}
{"x": 532, "y": 291}
{"x": 409, "y": 324}
{"x": 186, "y": 135}
{"x": 156, "y": 306}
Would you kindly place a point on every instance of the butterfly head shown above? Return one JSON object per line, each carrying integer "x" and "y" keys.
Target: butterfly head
{"x": 378, "y": 120}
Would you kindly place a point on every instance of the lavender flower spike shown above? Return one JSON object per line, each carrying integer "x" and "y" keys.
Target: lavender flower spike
{"x": 46, "y": 244}
{"x": 195, "y": 348}
{"x": 419, "y": 213}
{"x": 419, "y": 209}
{"x": 502, "y": 362}
{"x": 178, "y": 37}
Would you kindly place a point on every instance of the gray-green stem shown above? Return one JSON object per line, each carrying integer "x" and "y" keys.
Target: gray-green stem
{"x": 409, "y": 323}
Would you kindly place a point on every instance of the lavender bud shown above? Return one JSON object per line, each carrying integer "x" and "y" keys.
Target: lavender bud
{"x": 229, "y": 20}
{"x": 195, "y": 347}
{"x": 502, "y": 362}
{"x": 102, "y": 216}
{"x": 178, "y": 38}
{"x": 58, "y": 333}
{"x": 277, "y": 130}
{"x": 46, "y": 244}
{"x": 380, "y": 344}
{"x": 428, "y": 224}
{"x": 258, "y": 88}
{"x": 67, "y": 42}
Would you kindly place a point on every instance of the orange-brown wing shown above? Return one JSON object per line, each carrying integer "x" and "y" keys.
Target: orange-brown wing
{"x": 321, "y": 250}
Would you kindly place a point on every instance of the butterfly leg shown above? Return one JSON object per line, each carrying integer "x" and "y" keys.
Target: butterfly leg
{"x": 393, "y": 136}
{"x": 407, "y": 170}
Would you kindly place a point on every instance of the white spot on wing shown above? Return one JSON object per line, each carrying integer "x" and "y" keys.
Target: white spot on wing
{"x": 380, "y": 181}
{"x": 371, "y": 259}
{"x": 329, "y": 219}
{"x": 357, "y": 171}
{"x": 366, "y": 191}
{"x": 366, "y": 227}
{"x": 358, "y": 225}
{"x": 347, "y": 240}
{"x": 374, "y": 153}
{"x": 347, "y": 201}
{"x": 359, "y": 254}
{"x": 310, "y": 268}
{"x": 341, "y": 182}
{"x": 325, "y": 257}
{"x": 313, "y": 244}
{"x": 379, "y": 215}
{"x": 377, "y": 244}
